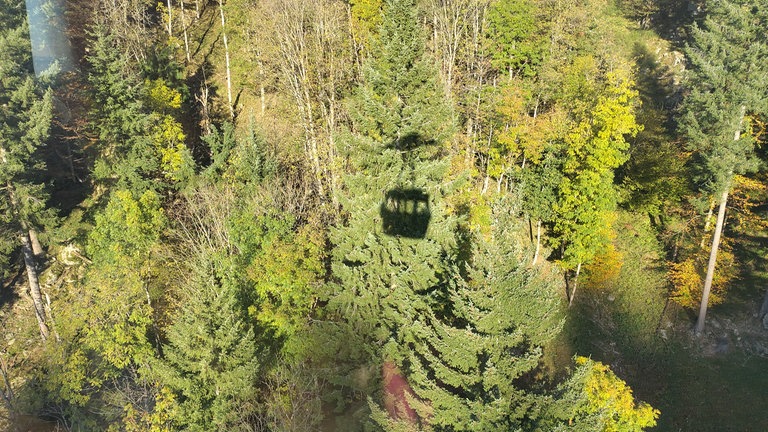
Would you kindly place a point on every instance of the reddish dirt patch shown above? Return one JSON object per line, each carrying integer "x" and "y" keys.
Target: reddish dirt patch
{"x": 395, "y": 390}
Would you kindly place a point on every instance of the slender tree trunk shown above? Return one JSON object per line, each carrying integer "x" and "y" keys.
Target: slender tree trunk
{"x": 34, "y": 282}
{"x": 184, "y": 29}
{"x": 575, "y": 285}
{"x": 712, "y": 262}
{"x": 538, "y": 242}
{"x": 708, "y": 223}
{"x": 6, "y": 392}
{"x": 262, "y": 77}
{"x": 716, "y": 239}
{"x": 49, "y": 317}
{"x": 226, "y": 59}
{"x": 764, "y": 308}
{"x": 170, "y": 18}
{"x": 30, "y": 264}
{"x": 197, "y": 9}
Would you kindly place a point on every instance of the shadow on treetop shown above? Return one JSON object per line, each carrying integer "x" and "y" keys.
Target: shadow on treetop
{"x": 405, "y": 210}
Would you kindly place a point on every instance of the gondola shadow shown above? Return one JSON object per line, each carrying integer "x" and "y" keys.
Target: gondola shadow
{"x": 405, "y": 213}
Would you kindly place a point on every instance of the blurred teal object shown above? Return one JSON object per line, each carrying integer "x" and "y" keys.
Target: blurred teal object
{"x": 51, "y": 52}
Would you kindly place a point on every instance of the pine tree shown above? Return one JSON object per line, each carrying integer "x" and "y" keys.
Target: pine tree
{"x": 385, "y": 280}
{"x": 211, "y": 360}
{"x": 26, "y": 112}
{"x": 467, "y": 368}
{"x": 729, "y": 83}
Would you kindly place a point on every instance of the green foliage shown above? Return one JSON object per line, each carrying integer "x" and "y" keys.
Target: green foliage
{"x": 211, "y": 360}
{"x": 727, "y": 81}
{"x": 594, "y": 148}
{"x": 400, "y": 98}
{"x": 141, "y": 140}
{"x": 465, "y": 367}
{"x": 514, "y": 37}
{"x": 26, "y": 112}
{"x": 287, "y": 276}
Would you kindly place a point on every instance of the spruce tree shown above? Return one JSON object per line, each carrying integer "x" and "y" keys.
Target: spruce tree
{"x": 467, "y": 368}
{"x": 461, "y": 338}
{"x": 382, "y": 282}
{"x": 211, "y": 360}
{"x": 26, "y": 112}
{"x": 729, "y": 83}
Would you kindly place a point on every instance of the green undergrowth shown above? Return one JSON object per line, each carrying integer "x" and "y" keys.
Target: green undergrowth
{"x": 627, "y": 323}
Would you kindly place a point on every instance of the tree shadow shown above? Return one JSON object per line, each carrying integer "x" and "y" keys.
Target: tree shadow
{"x": 703, "y": 384}
{"x": 8, "y": 295}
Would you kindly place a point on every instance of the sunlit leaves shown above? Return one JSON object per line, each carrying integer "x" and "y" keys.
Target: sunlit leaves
{"x": 594, "y": 148}
{"x": 514, "y": 37}
{"x": 596, "y": 400}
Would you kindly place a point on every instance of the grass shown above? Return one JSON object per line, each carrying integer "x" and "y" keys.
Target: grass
{"x": 627, "y": 324}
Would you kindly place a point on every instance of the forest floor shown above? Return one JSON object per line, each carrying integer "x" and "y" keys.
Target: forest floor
{"x": 715, "y": 382}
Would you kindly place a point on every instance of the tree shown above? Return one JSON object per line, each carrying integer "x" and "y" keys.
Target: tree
{"x": 211, "y": 360}
{"x": 26, "y": 112}
{"x": 593, "y": 149}
{"x": 381, "y": 281}
{"x": 514, "y": 36}
{"x": 595, "y": 399}
{"x": 141, "y": 140}
{"x": 466, "y": 368}
{"x": 312, "y": 54}
{"x": 727, "y": 85}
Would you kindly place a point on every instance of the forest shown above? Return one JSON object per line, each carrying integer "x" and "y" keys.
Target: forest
{"x": 383, "y": 215}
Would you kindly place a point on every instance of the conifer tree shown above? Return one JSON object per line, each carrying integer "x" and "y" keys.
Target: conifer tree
{"x": 383, "y": 282}
{"x": 729, "y": 83}
{"x": 459, "y": 345}
{"x": 26, "y": 112}
{"x": 467, "y": 370}
{"x": 211, "y": 360}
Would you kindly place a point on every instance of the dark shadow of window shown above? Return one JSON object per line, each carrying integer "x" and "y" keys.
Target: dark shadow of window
{"x": 406, "y": 213}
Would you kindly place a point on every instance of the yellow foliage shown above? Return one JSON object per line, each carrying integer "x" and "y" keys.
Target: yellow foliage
{"x": 169, "y": 141}
{"x": 159, "y": 420}
{"x": 687, "y": 277}
{"x": 746, "y": 194}
{"x": 605, "y": 267}
{"x": 611, "y": 398}
{"x": 161, "y": 97}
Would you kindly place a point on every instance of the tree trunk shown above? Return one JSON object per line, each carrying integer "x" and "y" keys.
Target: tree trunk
{"x": 575, "y": 285}
{"x": 716, "y": 239}
{"x": 34, "y": 283}
{"x": 712, "y": 262}
{"x": 262, "y": 77}
{"x": 184, "y": 29}
{"x": 29, "y": 263}
{"x": 6, "y": 392}
{"x": 226, "y": 59}
{"x": 538, "y": 242}
{"x": 170, "y": 18}
{"x": 37, "y": 248}
{"x": 764, "y": 308}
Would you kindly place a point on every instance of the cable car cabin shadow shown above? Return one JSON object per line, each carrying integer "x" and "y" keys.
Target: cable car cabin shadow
{"x": 406, "y": 213}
